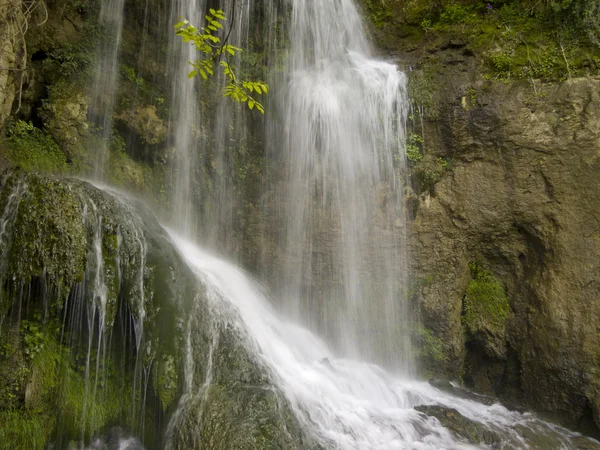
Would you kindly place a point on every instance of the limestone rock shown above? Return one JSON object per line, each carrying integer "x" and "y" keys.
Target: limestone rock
{"x": 144, "y": 121}
{"x": 522, "y": 197}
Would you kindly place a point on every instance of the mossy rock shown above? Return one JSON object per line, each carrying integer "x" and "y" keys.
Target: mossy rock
{"x": 486, "y": 311}
{"x": 110, "y": 259}
{"x": 242, "y": 417}
{"x": 48, "y": 238}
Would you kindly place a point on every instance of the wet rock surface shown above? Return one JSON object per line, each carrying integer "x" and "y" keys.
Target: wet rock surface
{"x": 471, "y": 431}
{"x": 518, "y": 199}
{"x": 94, "y": 263}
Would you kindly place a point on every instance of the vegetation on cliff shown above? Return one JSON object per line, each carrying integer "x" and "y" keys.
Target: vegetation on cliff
{"x": 543, "y": 40}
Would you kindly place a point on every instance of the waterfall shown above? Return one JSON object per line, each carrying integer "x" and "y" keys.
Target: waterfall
{"x": 344, "y": 112}
{"x": 205, "y": 130}
{"x": 347, "y": 404}
{"x": 106, "y": 81}
{"x": 185, "y": 118}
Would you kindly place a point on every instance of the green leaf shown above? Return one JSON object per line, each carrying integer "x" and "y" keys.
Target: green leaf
{"x": 192, "y": 74}
{"x": 251, "y": 104}
{"x": 179, "y": 24}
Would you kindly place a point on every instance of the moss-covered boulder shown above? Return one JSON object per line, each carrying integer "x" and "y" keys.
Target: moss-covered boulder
{"x": 100, "y": 317}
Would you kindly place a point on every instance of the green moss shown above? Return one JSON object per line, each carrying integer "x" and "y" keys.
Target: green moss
{"x": 34, "y": 150}
{"x": 379, "y": 12}
{"x": 110, "y": 246}
{"x": 485, "y": 305}
{"x": 539, "y": 42}
{"x": 428, "y": 346}
{"x": 423, "y": 88}
{"x": 165, "y": 381}
{"x": 14, "y": 370}
{"x": 81, "y": 410}
{"x": 430, "y": 171}
{"x": 23, "y": 430}
{"x": 49, "y": 238}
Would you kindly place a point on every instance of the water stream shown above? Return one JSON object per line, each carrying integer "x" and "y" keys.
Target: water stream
{"x": 335, "y": 333}
{"x": 349, "y": 404}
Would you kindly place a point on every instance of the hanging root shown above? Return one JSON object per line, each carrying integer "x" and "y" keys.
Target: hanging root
{"x": 16, "y": 22}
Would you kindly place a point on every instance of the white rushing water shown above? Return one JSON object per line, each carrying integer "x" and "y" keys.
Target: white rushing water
{"x": 344, "y": 253}
{"x": 349, "y": 404}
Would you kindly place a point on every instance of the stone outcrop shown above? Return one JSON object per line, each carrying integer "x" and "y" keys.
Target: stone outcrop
{"x": 79, "y": 265}
{"x": 514, "y": 192}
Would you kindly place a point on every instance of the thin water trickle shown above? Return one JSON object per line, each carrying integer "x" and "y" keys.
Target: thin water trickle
{"x": 185, "y": 117}
{"x": 106, "y": 80}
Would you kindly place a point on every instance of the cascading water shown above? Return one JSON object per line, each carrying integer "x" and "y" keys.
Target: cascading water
{"x": 206, "y": 130}
{"x": 344, "y": 273}
{"x": 106, "y": 81}
{"x": 349, "y": 404}
{"x": 343, "y": 268}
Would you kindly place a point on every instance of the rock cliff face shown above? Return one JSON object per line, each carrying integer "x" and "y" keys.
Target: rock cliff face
{"x": 505, "y": 219}
{"x": 505, "y": 232}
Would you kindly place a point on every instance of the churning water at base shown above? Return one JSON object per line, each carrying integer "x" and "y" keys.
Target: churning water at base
{"x": 346, "y": 404}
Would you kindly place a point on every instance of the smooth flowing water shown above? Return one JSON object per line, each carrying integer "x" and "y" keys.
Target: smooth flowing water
{"x": 185, "y": 118}
{"x": 349, "y": 404}
{"x": 344, "y": 252}
{"x": 343, "y": 272}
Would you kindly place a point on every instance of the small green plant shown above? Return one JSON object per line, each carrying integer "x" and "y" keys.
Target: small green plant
{"x": 33, "y": 337}
{"x": 485, "y": 304}
{"x": 129, "y": 74}
{"x": 217, "y": 52}
{"x": 472, "y": 96}
{"x": 34, "y": 150}
{"x": 414, "y": 142}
